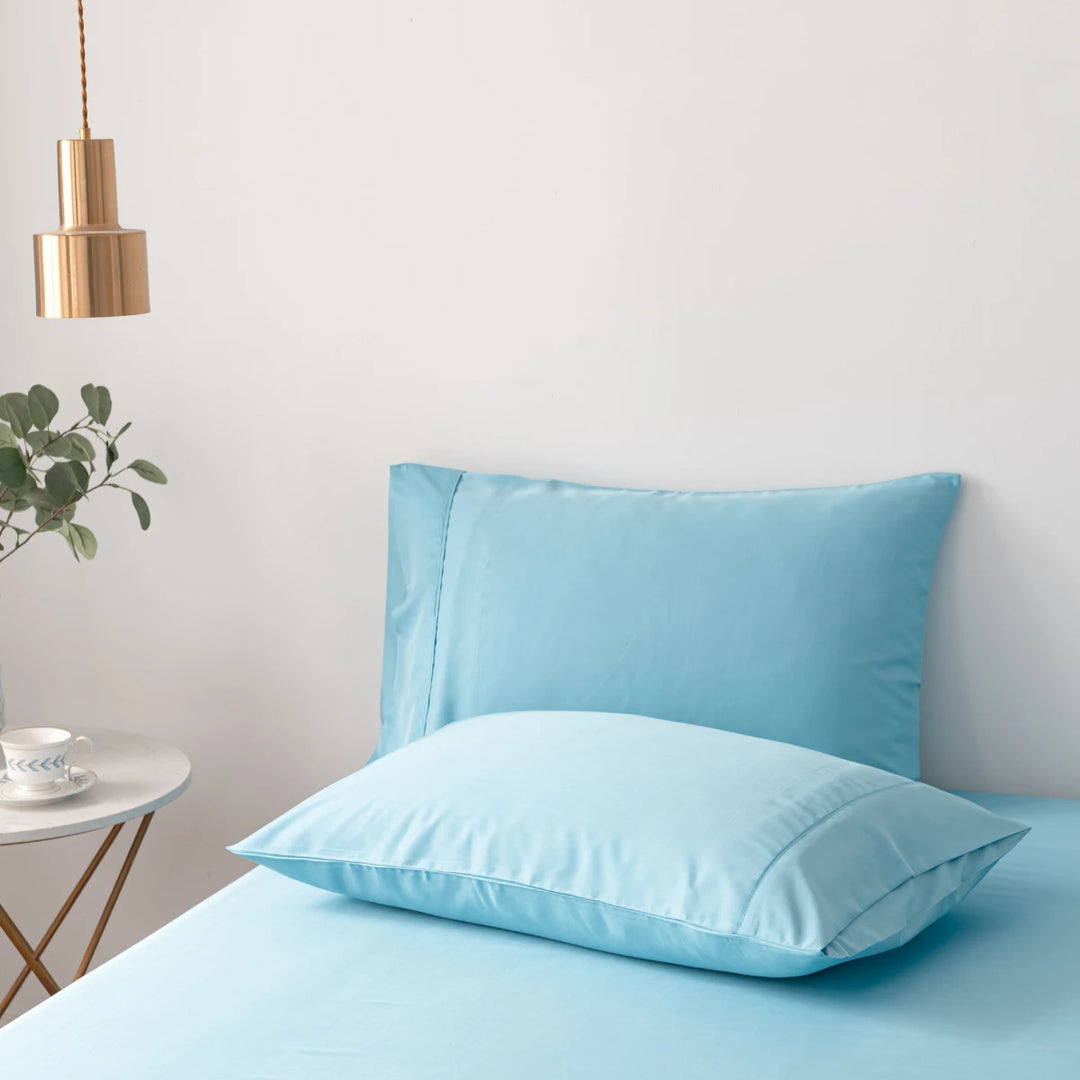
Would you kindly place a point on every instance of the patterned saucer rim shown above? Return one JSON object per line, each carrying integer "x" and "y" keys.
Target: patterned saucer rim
{"x": 81, "y": 780}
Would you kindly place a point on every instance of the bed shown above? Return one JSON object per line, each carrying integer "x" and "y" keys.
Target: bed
{"x": 680, "y": 727}
{"x": 272, "y": 979}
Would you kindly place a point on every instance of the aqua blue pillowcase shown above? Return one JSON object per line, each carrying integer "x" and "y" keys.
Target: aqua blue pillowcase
{"x": 793, "y": 615}
{"x": 655, "y": 839}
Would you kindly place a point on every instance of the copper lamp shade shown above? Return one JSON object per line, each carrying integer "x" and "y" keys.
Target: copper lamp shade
{"x": 90, "y": 266}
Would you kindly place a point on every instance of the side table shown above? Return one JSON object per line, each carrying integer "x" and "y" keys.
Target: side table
{"x": 136, "y": 776}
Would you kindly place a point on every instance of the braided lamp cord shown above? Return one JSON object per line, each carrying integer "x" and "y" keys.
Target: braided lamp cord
{"x": 84, "y": 133}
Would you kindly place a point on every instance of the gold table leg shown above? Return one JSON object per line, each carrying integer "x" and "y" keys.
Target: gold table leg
{"x": 22, "y": 946}
{"x": 32, "y": 957}
{"x": 111, "y": 902}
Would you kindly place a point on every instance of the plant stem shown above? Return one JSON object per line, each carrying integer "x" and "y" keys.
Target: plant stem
{"x": 29, "y": 467}
{"x": 41, "y": 449}
{"x": 23, "y": 541}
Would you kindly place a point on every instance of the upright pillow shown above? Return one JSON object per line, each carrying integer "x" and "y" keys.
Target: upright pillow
{"x": 792, "y": 615}
{"x": 645, "y": 837}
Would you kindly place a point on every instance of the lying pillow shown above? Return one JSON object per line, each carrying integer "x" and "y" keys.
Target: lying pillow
{"x": 793, "y": 615}
{"x": 645, "y": 837}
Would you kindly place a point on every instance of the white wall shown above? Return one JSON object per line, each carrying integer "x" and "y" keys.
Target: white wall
{"x": 683, "y": 243}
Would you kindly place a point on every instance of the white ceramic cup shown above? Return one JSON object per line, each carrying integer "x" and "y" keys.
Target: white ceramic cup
{"x": 37, "y": 756}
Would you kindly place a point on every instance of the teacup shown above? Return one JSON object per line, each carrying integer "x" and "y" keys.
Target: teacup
{"x": 37, "y": 756}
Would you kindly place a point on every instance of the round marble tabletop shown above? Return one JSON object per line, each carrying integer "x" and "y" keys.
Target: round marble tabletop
{"x": 136, "y": 774}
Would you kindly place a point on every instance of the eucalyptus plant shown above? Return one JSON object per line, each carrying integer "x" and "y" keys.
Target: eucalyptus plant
{"x": 49, "y": 471}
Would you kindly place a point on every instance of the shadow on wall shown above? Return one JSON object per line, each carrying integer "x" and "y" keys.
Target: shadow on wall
{"x": 1006, "y": 593}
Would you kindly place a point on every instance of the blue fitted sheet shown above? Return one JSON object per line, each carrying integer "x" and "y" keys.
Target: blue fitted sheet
{"x": 272, "y": 979}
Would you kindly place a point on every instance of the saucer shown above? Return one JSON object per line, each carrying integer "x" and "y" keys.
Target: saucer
{"x": 80, "y": 780}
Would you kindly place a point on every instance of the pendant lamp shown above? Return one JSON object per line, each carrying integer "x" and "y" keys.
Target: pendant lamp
{"x": 90, "y": 266}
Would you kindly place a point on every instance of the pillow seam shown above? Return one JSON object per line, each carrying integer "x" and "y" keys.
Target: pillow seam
{"x": 929, "y": 870}
{"x": 438, "y": 601}
{"x": 398, "y": 867}
{"x": 796, "y": 839}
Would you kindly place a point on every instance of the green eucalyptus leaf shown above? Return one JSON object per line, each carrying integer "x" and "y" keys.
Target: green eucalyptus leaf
{"x": 82, "y": 540}
{"x": 98, "y": 402}
{"x": 82, "y": 449}
{"x": 82, "y": 476}
{"x": 43, "y": 513}
{"x": 15, "y": 503}
{"x": 15, "y": 409}
{"x": 43, "y": 404}
{"x": 46, "y": 472}
{"x": 67, "y": 481}
{"x": 53, "y": 444}
{"x": 37, "y": 439}
{"x": 142, "y": 509}
{"x": 59, "y": 482}
{"x": 148, "y": 471}
{"x": 40, "y": 498}
{"x": 47, "y": 522}
{"x": 12, "y": 467}
{"x": 60, "y": 447}
{"x": 90, "y": 400}
{"x": 104, "y": 410}
{"x": 28, "y": 485}
{"x": 64, "y": 529}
